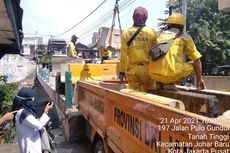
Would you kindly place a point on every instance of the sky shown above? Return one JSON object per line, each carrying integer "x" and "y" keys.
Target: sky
{"x": 53, "y": 17}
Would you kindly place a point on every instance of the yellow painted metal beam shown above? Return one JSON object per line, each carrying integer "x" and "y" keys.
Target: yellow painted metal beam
{"x": 100, "y": 72}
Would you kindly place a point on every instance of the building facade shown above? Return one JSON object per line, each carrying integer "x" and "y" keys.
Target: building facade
{"x": 30, "y": 44}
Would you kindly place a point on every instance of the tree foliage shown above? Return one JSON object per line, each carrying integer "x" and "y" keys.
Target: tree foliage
{"x": 210, "y": 29}
{"x": 7, "y": 94}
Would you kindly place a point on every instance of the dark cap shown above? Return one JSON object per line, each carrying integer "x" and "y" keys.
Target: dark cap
{"x": 140, "y": 15}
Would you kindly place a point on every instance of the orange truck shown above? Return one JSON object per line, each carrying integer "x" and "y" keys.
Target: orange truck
{"x": 161, "y": 121}
{"x": 126, "y": 121}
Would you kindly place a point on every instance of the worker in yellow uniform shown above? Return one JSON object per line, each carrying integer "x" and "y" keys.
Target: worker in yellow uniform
{"x": 134, "y": 56}
{"x": 171, "y": 68}
{"x": 72, "y": 49}
{"x": 105, "y": 54}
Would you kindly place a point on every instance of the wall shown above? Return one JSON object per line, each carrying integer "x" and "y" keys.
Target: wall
{"x": 16, "y": 67}
{"x": 224, "y": 5}
{"x": 217, "y": 82}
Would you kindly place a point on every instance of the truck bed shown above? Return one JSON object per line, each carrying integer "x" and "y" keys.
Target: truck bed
{"x": 129, "y": 123}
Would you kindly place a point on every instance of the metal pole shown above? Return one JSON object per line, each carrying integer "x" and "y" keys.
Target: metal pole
{"x": 170, "y": 10}
{"x": 68, "y": 90}
{"x": 172, "y": 3}
{"x": 36, "y": 46}
{"x": 184, "y": 11}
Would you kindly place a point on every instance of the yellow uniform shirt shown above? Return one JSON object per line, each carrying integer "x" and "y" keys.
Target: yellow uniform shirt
{"x": 138, "y": 51}
{"x": 104, "y": 53}
{"x": 72, "y": 50}
{"x": 171, "y": 67}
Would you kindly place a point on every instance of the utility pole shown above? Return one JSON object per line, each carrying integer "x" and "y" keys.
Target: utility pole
{"x": 36, "y": 45}
{"x": 172, "y": 3}
{"x": 184, "y": 11}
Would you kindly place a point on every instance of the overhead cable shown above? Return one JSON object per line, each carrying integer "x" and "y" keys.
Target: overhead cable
{"x": 103, "y": 20}
{"x": 82, "y": 19}
{"x": 100, "y": 22}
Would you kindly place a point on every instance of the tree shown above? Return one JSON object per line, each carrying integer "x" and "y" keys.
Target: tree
{"x": 210, "y": 29}
{"x": 7, "y": 94}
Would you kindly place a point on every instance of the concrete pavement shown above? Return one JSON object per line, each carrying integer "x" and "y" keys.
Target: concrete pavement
{"x": 60, "y": 145}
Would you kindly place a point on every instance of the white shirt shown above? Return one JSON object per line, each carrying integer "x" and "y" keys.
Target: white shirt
{"x": 28, "y": 132}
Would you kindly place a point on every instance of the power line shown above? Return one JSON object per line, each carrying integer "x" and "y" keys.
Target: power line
{"x": 96, "y": 24}
{"x": 82, "y": 19}
{"x": 103, "y": 20}
{"x": 87, "y": 31}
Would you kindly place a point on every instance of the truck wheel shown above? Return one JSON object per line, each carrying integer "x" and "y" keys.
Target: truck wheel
{"x": 99, "y": 148}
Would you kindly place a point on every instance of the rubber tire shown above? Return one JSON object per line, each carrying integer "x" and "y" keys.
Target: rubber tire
{"x": 99, "y": 147}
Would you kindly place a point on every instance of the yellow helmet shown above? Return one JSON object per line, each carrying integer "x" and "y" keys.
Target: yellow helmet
{"x": 176, "y": 18}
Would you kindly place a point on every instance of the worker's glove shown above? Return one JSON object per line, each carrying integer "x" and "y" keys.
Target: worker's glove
{"x": 122, "y": 77}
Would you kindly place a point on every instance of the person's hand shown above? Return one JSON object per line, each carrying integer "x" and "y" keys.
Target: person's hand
{"x": 200, "y": 84}
{"x": 9, "y": 115}
{"x": 48, "y": 107}
{"x": 122, "y": 77}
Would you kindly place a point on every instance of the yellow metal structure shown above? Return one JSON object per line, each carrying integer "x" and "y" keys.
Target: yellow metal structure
{"x": 85, "y": 72}
{"x": 111, "y": 61}
{"x": 93, "y": 72}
